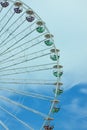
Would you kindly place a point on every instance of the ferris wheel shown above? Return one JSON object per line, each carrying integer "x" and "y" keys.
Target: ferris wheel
{"x": 30, "y": 72}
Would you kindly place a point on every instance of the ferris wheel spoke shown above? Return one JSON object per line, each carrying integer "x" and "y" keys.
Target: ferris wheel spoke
{"x": 7, "y": 22}
{"x": 3, "y": 125}
{"x": 19, "y": 120}
{"x": 1, "y": 9}
{"x": 30, "y": 41}
{"x": 13, "y": 31}
{"x": 28, "y": 94}
{"x": 23, "y": 61}
{"x": 12, "y": 24}
{"x": 23, "y": 106}
{"x": 29, "y": 70}
{"x": 8, "y": 59}
{"x": 21, "y": 52}
{"x": 22, "y": 83}
{"x": 15, "y": 73}
{"x": 18, "y": 41}
{"x": 20, "y": 33}
{"x": 6, "y": 13}
{"x": 29, "y": 81}
{"x": 30, "y": 67}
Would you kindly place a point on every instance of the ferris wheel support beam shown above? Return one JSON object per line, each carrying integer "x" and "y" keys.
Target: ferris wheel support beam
{"x": 3, "y": 125}
{"x": 22, "y": 122}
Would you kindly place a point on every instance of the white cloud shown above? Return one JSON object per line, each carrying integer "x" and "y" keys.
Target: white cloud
{"x": 78, "y": 110}
{"x": 83, "y": 90}
{"x": 75, "y": 114}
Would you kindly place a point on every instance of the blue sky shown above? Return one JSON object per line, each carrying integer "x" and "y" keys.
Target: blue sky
{"x": 67, "y": 21}
{"x": 73, "y": 114}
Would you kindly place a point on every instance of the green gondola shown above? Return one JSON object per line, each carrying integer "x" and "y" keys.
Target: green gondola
{"x": 55, "y": 110}
{"x": 49, "y": 42}
{"x": 57, "y": 74}
{"x": 54, "y": 57}
{"x": 40, "y": 29}
{"x": 59, "y": 91}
